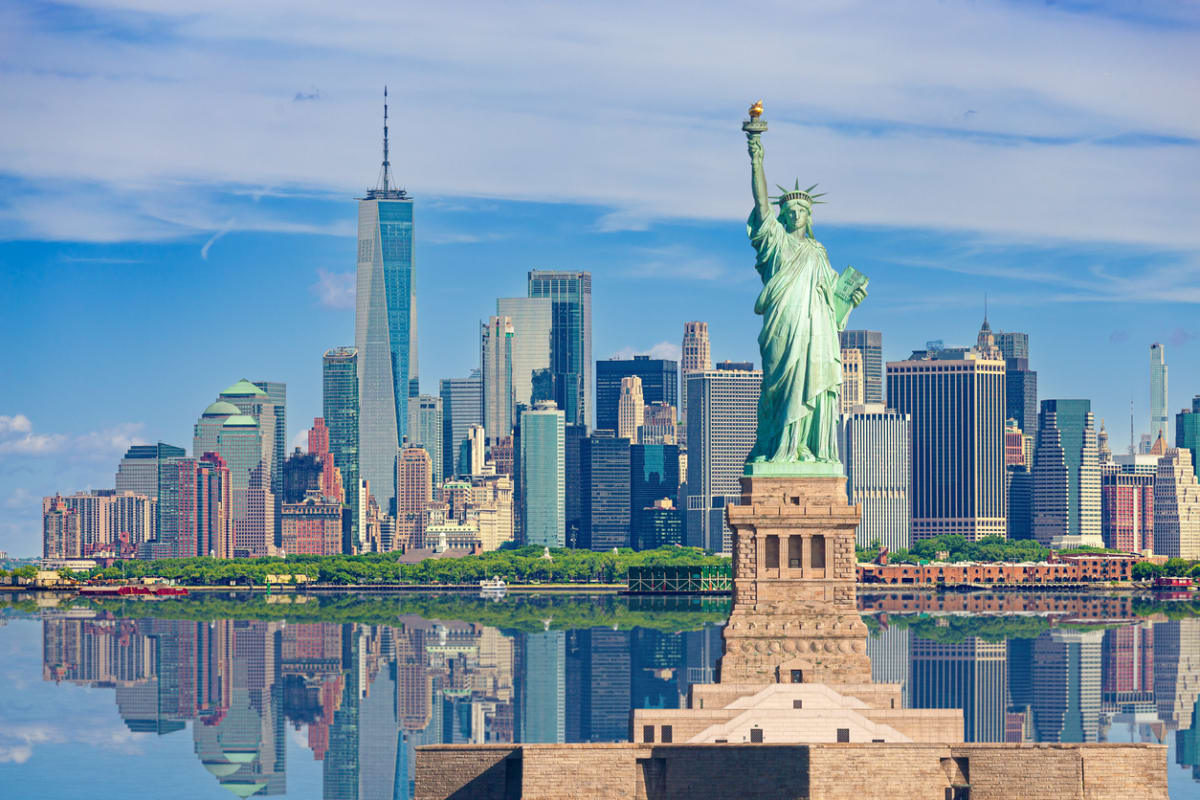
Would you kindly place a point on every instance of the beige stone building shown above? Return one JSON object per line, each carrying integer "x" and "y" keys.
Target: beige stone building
{"x": 1176, "y": 506}
{"x": 631, "y": 408}
{"x": 853, "y": 379}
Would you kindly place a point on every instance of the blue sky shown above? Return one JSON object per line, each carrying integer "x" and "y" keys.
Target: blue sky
{"x": 177, "y": 187}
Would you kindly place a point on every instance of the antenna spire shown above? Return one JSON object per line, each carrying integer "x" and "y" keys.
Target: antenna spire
{"x": 386, "y": 164}
{"x": 985, "y": 319}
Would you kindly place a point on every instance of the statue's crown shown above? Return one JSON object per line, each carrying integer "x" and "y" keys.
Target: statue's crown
{"x": 799, "y": 194}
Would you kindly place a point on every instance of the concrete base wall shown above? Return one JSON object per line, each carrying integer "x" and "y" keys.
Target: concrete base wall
{"x": 630, "y": 771}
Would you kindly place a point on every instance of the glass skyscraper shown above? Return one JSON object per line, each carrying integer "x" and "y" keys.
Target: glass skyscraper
{"x": 340, "y": 409}
{"x": 570, "y": 338}
{"x": 531, "y": 341}
{"x": 385, "y": 329}
{"x": 462, "y": 407}
{"x": 604, "y": 483}
{"x": 1066, "y": 476}
{"x": 543, "y": 476}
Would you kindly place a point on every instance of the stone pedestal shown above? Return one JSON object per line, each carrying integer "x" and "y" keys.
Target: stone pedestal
{"x": 795, "y": 617}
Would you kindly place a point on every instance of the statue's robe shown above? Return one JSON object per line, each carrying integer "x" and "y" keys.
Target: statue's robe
{"x": 801, "y": 353}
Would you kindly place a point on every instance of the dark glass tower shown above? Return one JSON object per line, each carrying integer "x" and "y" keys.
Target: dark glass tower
{"x": 653, "y": 475}
{"x": 660, "y": 384}
{"x": 340, "y": 409}
{"x": 570, "y": 294}
{"x": 604, "y": 483}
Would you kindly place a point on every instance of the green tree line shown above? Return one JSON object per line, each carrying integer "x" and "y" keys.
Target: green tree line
{"x": 513, "y": 565}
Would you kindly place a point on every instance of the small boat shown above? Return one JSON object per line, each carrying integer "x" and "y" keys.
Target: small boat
{"x": 496, "y": 589}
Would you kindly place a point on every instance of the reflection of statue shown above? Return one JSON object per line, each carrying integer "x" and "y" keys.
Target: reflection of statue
{"x": 804, "y": 304}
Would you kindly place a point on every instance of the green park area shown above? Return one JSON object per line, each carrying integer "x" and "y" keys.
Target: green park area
{"x": 515, "y": 565}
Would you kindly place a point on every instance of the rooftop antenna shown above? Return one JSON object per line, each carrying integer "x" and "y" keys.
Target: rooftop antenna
{"x": 386, "y": 164}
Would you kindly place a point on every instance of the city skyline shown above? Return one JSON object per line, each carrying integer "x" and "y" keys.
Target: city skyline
{"x": 251, "y": 229}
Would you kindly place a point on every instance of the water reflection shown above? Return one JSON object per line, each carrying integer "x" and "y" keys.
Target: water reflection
{"x": 363, "y": 695}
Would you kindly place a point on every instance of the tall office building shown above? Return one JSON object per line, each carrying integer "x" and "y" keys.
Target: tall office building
{"x": 653, "y": 476}
{"x": 631, "y": 408}
{"x": 604, "y": 474}
{"x": 1020, "y": 396}
{"x": 1158, "y": 393}
{"x": 870, "y": 344}
{"x": 572, "y": 450}
{"x": 722, "y": 423}
{"x": 1127, "y": 511}
{"x": 1066, "y": 476}
{"x": 850, "y": 393}
{"x": 277, "y": 394}
{"x": 495, "y": 365}
{"x": 385, "y": 330}
{"x": 425, "y": 430}
{"x": 570, "y": 294}
{"x": 139, "y": 469}
{"x": 339, "y": 377}
{"x": 462, "y": 408}
{"x": 1187, "y": 431}
{"x": 1176, "y": 506}
{"x": 531, "y": 320}
{"x": 196, "y": 510}
{"x": 660, "y": 384}
{"x": 1020, "y": 501}
{"x": 414, "y": 493}
{"x": 874, "y": 444}
{"x": 956, "y": 402}
{"x": 543, "y": 476}
{"x": 695, "y": 356}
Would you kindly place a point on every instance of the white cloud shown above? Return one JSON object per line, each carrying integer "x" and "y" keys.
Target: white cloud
{"x": 335, "y": 289}
{"x": 18, "y": 423}
{"x": 299, "y": 440}
{"x": 1011, "y": 119}
{"x": 17, "y": 437}
{"x": 20, "y": 497}
{"x": 667, "y": 350}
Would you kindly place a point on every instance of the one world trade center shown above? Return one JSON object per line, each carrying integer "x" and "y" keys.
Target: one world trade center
{"x": 385, "y": 330}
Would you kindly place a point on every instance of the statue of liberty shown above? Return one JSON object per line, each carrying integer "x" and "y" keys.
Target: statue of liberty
{"x": 804, "y": 304}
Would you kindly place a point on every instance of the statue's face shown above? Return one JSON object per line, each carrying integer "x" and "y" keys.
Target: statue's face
{"x": 795, "y": 216}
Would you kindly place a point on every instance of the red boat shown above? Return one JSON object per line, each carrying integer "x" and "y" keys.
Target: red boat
{"x": 133, "y": 591}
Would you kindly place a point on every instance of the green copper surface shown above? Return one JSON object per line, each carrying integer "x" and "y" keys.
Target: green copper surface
{"x": 804, "y": 304}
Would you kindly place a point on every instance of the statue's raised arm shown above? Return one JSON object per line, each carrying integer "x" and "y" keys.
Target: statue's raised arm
{"x": 758, "y": 179}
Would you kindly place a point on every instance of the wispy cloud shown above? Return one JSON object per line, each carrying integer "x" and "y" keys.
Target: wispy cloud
{"x": 1013, "y": 119}
{"x": 18, "y": 741}
{"x": 335, "y": 289}
{"x": 18, "y": 438}
{"x": 226, "y": 228}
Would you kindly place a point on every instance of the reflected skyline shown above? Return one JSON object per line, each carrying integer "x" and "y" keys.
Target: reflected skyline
{"x": 362, "y": 696}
